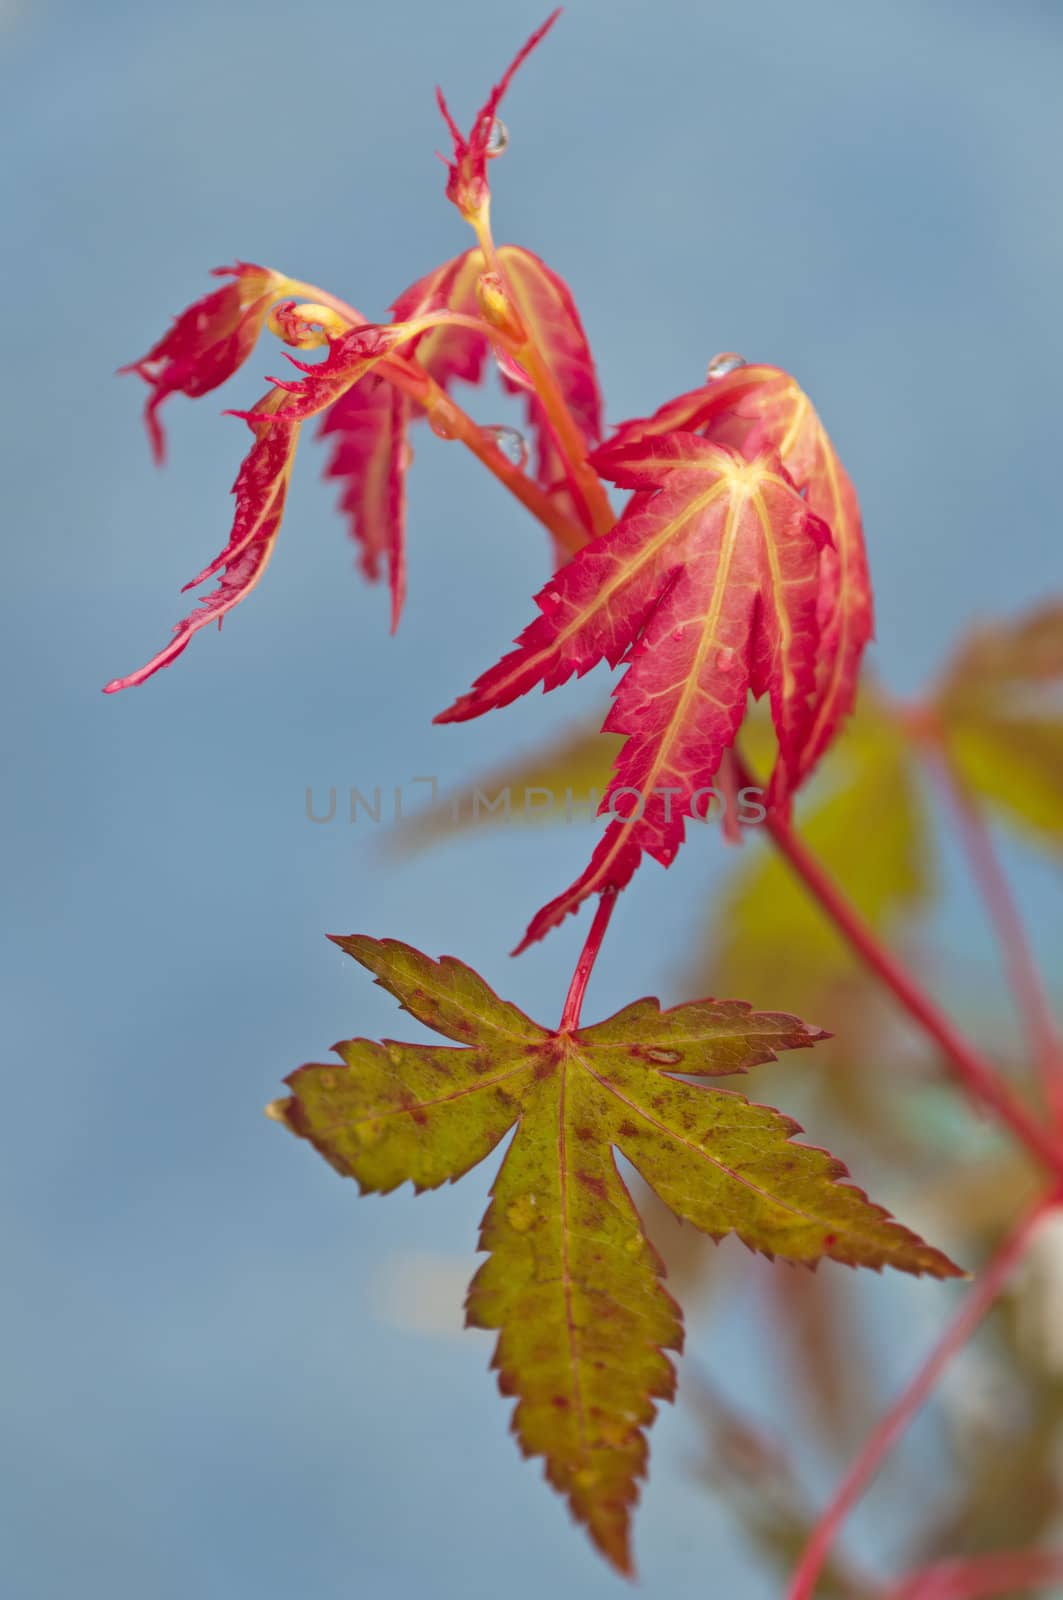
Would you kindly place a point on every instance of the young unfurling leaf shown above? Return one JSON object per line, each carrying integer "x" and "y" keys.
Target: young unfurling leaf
{"x": 708, "y": 586}
{"x": 262, "y": 484}
{"x": 544, "y": 306}
{"x": 447, "y": 353}
{"x": 467, "y": 184}
{"x": 438, "y": 321}
{"x": 207, "y": 342}
{"x": 261, "y": 488}
{"x": 368, "y": 425}
{"x": 571, "y": 1282}
{"x": 549, "y": 315}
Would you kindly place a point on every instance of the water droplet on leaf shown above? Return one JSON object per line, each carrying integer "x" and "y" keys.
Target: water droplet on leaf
{"x": 441, "y": 425}
{"x": 727, "y": 361}
{"x": 667, "y": 1058}
{"x": 497, "y": 139}
{"x": 512, "y": 370}
{"x": 512, "y": 444}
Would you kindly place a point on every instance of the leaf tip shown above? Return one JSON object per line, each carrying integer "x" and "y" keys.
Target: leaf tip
{"x": 278, "y": 1110}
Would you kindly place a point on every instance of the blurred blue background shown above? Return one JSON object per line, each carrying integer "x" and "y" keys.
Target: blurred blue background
{"x": 215, "y": 1386}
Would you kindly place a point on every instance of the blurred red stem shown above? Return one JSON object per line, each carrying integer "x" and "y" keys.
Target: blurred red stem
{"x": 976, "y": 1072}
{"x": 897, "y": 1418}
{"x": 1025, "y": 980}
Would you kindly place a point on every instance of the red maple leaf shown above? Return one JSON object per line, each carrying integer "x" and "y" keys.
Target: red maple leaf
{"x": 368, "y": 427}
{"x": 261, "y": 488}
{"x": 761, "y": 407}
{"x": 708, "y": 588}
{"x": 207, "y": 342}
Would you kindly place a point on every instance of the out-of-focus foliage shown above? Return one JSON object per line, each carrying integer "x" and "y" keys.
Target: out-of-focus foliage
{"x": 864, "y": 822}
{"x": 1001, "y": 707}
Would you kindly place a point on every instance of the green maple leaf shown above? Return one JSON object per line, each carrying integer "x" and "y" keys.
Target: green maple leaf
{"x": 571, "y": 1282}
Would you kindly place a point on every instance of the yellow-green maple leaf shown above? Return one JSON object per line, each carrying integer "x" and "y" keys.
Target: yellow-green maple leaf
{"x": 571, "y": 1282}
{"x": 1002, "y": 717}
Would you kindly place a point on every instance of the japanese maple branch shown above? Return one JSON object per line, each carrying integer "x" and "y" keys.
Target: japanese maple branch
{"x": 406, "y": 375}
{"x": 972, "y": 1068}
{"x": 896, "y": 1419}
{"x": 1023, "y": 975}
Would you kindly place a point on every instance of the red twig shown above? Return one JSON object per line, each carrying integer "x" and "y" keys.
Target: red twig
{"x": 975, "y": 1071}
{"x": 896, "y": 1419}
{"x": 1030, "y": 997}
{"x": 585, "y": 965}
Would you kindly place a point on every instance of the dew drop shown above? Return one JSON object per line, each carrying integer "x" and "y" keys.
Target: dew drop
{"x": 725, "y": 660}
{"x": 511, "y": 370}
{"x": 727, "y": 361}
{"x": 497, "y": 139}
{"x": 512, "y": 444}
{"x": 522, "y": 1213}
{"x": 441, "y": 425}
{"x": 667, "y": 1058}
